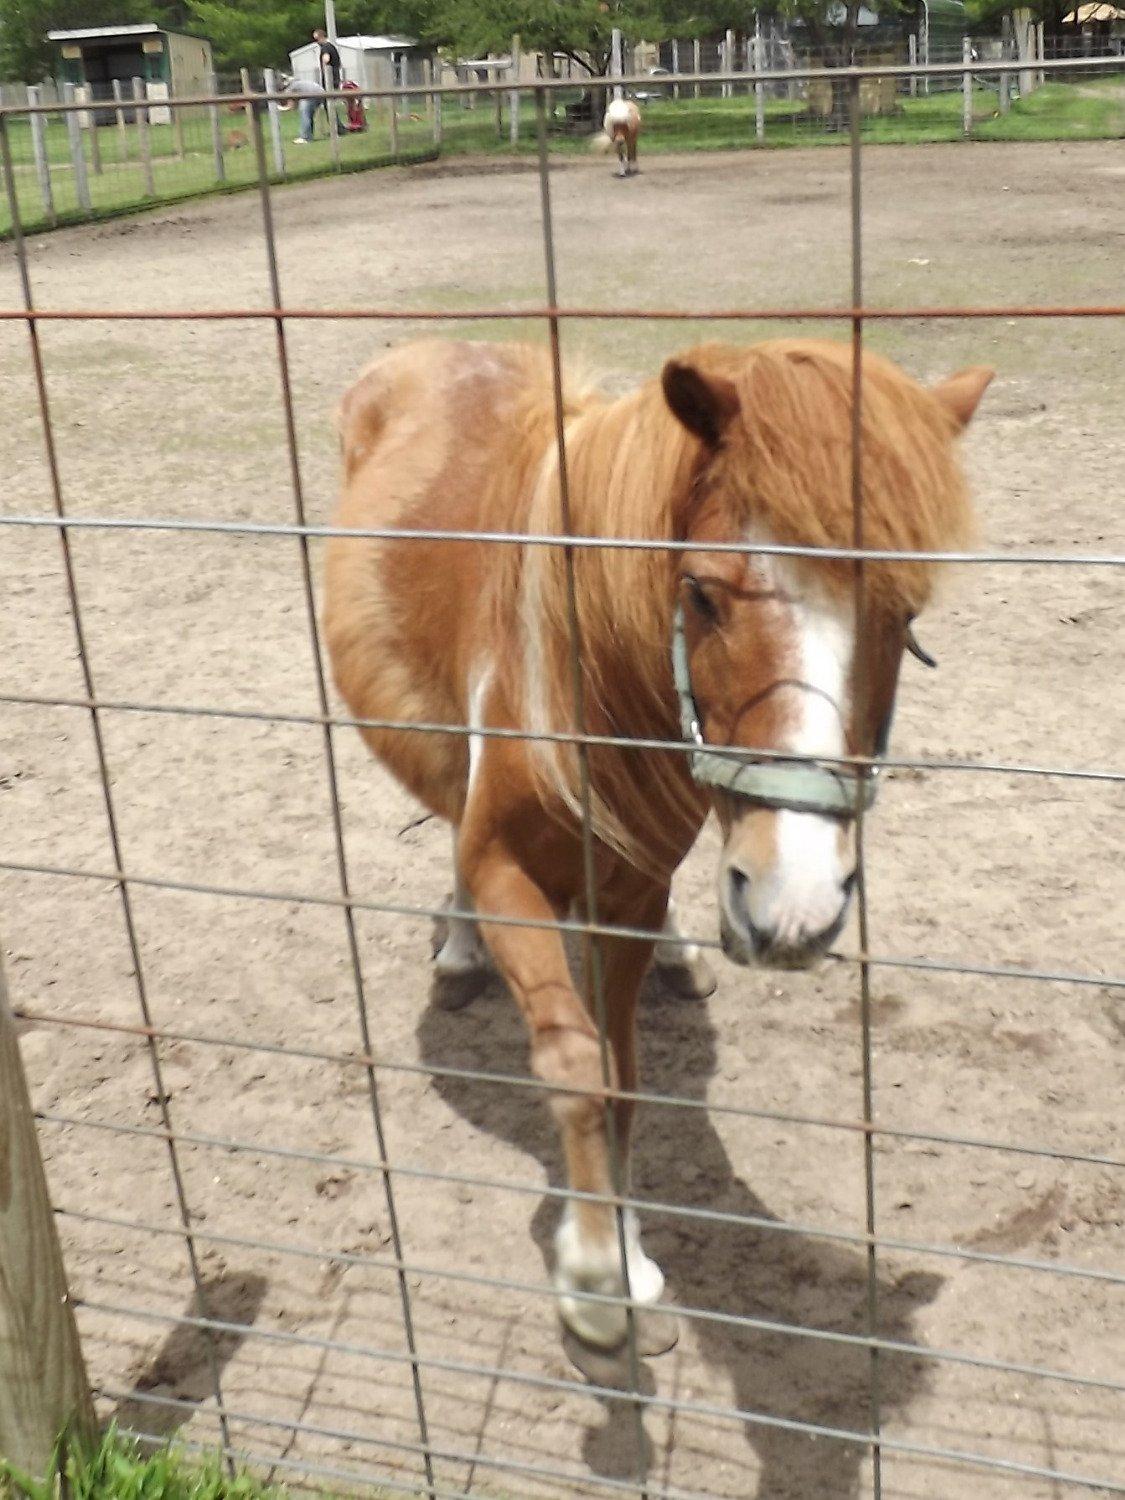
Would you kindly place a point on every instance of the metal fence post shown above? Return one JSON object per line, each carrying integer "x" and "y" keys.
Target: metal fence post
{"x": 270, "y": 79}
{"x": 77, "y": 159}
{"x": 39, "y": 151}
{"x": 122, "y": 127}
{"x": 145, "y": 144}
{"x": 966, "y": 87}
{"x": 44, "y": 1392}
{"x": 217, "y": 134}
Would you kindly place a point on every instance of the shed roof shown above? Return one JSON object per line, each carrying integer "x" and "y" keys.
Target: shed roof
{"x": 364, "y": 43}
{"x": 90, "y": 32}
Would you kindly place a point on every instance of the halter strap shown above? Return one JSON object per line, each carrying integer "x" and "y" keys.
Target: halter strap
{"x": 797, "y": 786}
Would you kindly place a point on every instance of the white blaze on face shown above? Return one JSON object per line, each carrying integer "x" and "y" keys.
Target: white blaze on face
{"x": 802, "y": 893}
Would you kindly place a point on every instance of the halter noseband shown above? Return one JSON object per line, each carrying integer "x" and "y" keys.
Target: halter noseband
{"x": 796, "y": 786}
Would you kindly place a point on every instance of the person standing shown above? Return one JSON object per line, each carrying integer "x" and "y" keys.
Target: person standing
{"x": 328, "y": 56}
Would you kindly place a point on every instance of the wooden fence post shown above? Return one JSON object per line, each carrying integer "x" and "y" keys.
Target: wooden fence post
{"x": 92, "y": 127}
{"x": 217, "y": 134}
{"x": 39, "y": 151}
{"x": 617, "y": 60}
{"x": 675, "y": 67}
{"x": 177, "y": 127}
{"x": 697, "y": 61}
{"x": 270, "y": 78}
{"x": 141, "y": 98}
{"x": 514, "y": 96}
{"x": 122, "y": 127}
{"x": 44, "y": 1392}
{"x": 1041, "y": 48}
{"x": 728, "y": 63}
{"x": 435, "y": 99}
{"x": 1005, "y": 81}
{"x": 759, "y": 90}
{"x": 912, "y": 41}
{"x": 77, "y": 159}
{"x": 966, "y": 87}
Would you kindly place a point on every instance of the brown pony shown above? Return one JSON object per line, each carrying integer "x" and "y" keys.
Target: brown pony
{"x": 621, "y": 127}
{"x": 730, "y": 445}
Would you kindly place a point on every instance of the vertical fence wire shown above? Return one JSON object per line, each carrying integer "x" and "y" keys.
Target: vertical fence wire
{"x": 595, "y": 973}
{"x": 108, "y": 801}
{"x": 861, "y": 674}
{"x": 332, "y": 777}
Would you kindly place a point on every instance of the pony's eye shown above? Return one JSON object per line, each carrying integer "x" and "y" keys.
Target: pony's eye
{"x": 916, "y": 650}
{"x": 701, "y": 601}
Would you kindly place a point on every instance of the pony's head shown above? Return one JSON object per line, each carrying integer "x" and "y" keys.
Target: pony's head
{"x": 775, "y": 655}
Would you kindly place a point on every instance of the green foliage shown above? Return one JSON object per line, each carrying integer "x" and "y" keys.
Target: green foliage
{"x": 25, "y": 53}
{"x": 120, "y": 1471}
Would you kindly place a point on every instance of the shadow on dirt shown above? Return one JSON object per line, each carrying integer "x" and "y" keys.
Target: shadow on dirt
{"x": 731, "y": 1268}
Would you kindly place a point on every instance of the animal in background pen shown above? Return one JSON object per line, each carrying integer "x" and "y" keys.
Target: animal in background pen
{"x": 620, "y": 131}
{"x": 753, "y": 670}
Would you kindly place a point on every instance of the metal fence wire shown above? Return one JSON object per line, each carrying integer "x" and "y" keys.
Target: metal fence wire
{"x": 426, "y": 1463}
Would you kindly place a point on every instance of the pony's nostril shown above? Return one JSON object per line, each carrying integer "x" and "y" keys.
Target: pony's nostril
{"x": 738, "y": 884}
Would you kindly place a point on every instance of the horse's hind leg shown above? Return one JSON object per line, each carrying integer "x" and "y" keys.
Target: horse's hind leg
{"x": 632, "y": 167}
{"x": 460, "y": 961}
{"x": 681, "y": 964}
{"x": 620, "y": 147}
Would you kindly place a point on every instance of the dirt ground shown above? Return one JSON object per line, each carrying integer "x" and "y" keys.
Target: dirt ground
{"x": 183, "y": 419}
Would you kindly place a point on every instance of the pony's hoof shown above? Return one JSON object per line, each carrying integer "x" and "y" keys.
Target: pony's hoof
{"x": 456, "y": 988}
{"x": 657, "y": 1332}
{"x": 689, "y": 979}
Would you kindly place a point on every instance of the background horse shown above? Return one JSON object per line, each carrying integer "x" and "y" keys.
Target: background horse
{"x": 730, "y": 445}
{"x": 621, "y": 127}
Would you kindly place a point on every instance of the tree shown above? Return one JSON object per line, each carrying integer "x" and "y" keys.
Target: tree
{"x": 25, "y": 53}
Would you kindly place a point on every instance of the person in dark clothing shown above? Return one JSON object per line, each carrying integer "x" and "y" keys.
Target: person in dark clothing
{"x": 331, "y": 75}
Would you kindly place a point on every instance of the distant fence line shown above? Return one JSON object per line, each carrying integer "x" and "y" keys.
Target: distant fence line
{"x": 115, "y": 147}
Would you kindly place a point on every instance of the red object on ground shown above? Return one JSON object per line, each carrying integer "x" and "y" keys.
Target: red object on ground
{"x": 357, "y": 116}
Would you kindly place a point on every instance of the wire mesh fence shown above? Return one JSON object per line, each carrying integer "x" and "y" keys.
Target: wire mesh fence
{"x": 434, "y": 1345}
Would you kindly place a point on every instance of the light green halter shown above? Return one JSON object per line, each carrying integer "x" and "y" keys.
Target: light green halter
{"x": 798, "y": 786}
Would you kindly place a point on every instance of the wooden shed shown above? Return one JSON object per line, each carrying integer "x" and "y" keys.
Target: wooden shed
{"x": 170, "y": 62}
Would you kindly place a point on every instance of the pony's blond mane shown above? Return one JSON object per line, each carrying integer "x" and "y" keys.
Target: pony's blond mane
{"x": 784, "y": 470}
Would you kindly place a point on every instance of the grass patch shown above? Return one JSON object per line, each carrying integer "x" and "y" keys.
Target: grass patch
{"x": 120, "y": 1470}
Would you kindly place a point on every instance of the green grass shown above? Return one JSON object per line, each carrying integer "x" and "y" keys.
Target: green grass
{"x": 1091, "y": 110}
{"x": 119, "y": 1470}
{"x": 120, "y": 185}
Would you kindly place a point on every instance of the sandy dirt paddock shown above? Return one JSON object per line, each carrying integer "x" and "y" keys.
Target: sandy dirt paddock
{"x": 184, "y": 419}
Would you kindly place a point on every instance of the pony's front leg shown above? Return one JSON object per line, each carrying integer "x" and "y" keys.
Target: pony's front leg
{"x": 681, "y": 964}
{"x": 567, "y": 1055}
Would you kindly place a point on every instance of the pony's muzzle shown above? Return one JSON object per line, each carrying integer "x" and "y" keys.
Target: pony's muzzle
{"x": 763, "y": 922}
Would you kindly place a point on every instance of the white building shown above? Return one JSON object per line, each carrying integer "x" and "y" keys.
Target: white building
{"x": 370, "y": 62}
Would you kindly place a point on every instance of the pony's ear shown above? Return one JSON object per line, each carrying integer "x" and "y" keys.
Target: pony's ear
{"x": 960, "y": 394}
{"x": 704, "y": 404}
